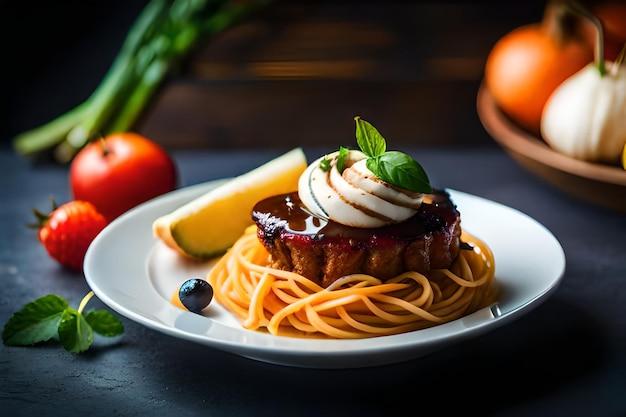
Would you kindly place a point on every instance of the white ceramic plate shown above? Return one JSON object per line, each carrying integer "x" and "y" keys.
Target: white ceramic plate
{"x": 135, "y": 274}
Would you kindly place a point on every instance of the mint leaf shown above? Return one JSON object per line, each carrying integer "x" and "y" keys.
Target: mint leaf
{"x": 36, "y": 322}
{"x": 50, "y": 316}
{"x": 75, "y": 333}
{"x": 400, "y": 170}
{"x": 104, "y": 323}
{"x": 369, "y": 139}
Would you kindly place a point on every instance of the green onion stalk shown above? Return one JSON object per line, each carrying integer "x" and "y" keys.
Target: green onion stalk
{"x": 164, "y": 33}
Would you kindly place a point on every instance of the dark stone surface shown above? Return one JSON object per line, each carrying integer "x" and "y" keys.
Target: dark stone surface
{"x": 566, "y": 357}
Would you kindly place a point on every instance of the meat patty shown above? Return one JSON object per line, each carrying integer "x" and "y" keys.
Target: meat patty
{"x": 324, "y": 251}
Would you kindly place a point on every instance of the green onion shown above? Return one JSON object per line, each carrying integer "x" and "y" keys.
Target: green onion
{"x": 165, "y": 32}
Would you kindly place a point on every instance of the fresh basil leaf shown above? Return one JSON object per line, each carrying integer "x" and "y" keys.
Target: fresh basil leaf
{"x": 341, "y": 158}
{"x": 369, "y": 139}
{"x": 75, "y": 333}
{"x": 400, "y": 170}
{"x": 36, "y": 322}
{"x": 104, "y": 323}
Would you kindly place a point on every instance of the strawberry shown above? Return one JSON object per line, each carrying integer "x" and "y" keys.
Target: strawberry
{"x": 68, "y": 230}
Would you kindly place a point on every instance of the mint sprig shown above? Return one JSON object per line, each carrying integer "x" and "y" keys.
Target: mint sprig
{"x": 50, "y": 317}
{"x": 393, "y": 167}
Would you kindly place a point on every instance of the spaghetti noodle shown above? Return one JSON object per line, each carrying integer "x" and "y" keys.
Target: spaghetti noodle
{"x": 355, "y": 306}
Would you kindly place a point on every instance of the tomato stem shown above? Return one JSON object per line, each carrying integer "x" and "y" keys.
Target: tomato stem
{"x": 105, "y": 148}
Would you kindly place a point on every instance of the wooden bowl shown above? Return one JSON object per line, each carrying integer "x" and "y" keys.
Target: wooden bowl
{"x": 601, "y": 185}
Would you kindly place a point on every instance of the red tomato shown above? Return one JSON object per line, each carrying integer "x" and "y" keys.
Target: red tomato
{"x": 526, "y": 65}
{"x": 120, "y": 171}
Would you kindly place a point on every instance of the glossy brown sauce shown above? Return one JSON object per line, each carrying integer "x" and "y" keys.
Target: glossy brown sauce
{"x": 285, "y": 215}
